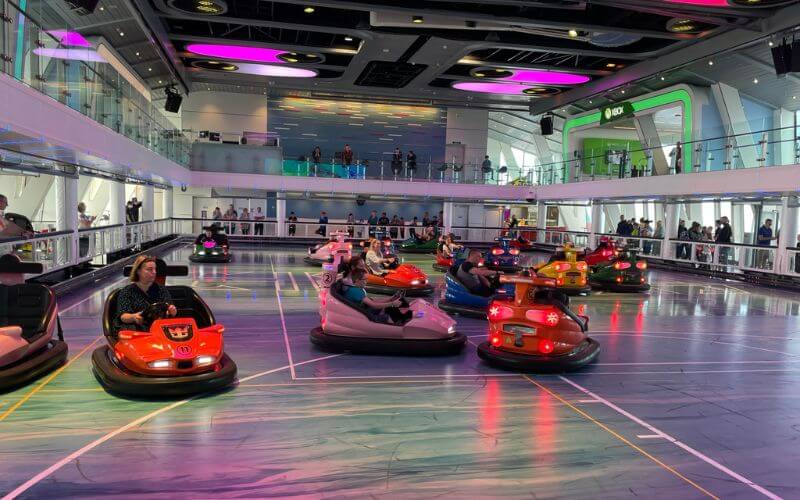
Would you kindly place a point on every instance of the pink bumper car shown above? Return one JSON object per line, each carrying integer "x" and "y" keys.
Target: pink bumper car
{"x": 350, "y": 326}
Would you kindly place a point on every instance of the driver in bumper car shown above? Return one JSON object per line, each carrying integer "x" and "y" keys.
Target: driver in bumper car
{"x": 378, "y": 264}
{"x": 385, "y": 311}
{"x": 207, "y": 235}
{"x": 475, "y": 278}
{"x": 137, "y": 296}
{"x": 450, "y": 247}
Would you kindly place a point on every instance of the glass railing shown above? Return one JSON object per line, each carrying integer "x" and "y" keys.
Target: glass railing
{"x": 40, "y": 48}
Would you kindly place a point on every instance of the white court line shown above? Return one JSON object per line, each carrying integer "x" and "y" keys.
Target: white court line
{"x": 648, "y": 436}
{"x": 139, "y": 421}
{"x": 313, "y": 282}
{"x": 436, "y": 375}
{"x": 294, "y": 283}
{"x": 674, "y": 441}
{"x": 707, "y": 334}
{"x": 584, "y": 401}
{"x": 285, "y": 333}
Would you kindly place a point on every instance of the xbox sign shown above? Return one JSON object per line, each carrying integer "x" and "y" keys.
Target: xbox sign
{"x": 616, "y": 112}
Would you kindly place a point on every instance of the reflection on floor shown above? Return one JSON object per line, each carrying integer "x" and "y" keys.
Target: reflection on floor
{"x": 694, "y": 395}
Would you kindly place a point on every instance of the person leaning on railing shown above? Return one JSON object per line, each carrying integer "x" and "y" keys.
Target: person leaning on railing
{"x": 9, "y": 229}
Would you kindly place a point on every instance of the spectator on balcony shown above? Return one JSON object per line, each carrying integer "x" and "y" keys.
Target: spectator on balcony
{"x": 323, "y": 224}
{"x": 441, "y": 218}
{"x": 411, "y": 160}
{"x": 659, "y": 234}
{"x": 486, "y": 167}
{"x": 412, "y": 232}
{"x": 230, "y": 214}
{"x": 383, "y": 222}
{"x": 513, "y": 224}
{"x": 316, "y": 156}
{"x": 217, "y": 216}
{"x": 372, "y": 220}
{"x": 394, "y": 223}
{"x": 763, "y": 239}
{"x": 402, "y": 228}
{"x": 9, "y": 229}
{"x": 347, "y": 155}
{"x": 724, "y": 236}
{"x": 426, "y": 219}
{"x": 683, "y": 234}
{"x": 85, "y": 220}
{"x": 646, "y": 231}
{"x": 797, "y": 256}
{"x": 397, "y": 161}
{"x": 259, "y": 217}
{"x": 132, "y": 210}
{"x": 622, "y": 226}
{"x": 245, "y": 216}
{"x": 292, "y": 223}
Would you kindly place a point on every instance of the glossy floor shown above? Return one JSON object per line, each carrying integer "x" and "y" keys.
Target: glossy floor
{"x": 695, "y": 394}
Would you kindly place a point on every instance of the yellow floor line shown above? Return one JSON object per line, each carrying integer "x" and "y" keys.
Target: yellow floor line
{"x": 46, "y": 381}
{"x": 621, "y": 437}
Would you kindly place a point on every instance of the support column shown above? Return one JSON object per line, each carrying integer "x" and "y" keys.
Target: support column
{"x": 67, "y": 218}
{"x": 447, "y": 215}
{"x": 280, "y": 214}
{"x": 670, "y": 228}
{"x": 117, "y": 202}
{"x": 148, "y": 202}
{"x": 787, "y": 236}
{"x": 541, "y": 221}
{"x": 596, "y": 224}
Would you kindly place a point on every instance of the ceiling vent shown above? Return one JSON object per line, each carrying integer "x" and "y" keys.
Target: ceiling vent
{"x": 389, "y": 74}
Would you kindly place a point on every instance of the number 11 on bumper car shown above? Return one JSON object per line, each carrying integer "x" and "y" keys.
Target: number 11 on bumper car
{"x": 537, "y": 331}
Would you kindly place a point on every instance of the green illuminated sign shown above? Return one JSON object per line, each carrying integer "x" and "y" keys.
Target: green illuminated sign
{"x": 615, "y": 112}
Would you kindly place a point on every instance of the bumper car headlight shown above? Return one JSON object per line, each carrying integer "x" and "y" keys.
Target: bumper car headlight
{"x": 160, "y": 364}
{"x": 205, "y": 360}
{"x": 415, "y": 282}
{"x": 201, "y": 252}
{"x": 451, "y": 330}
{"x": 214, "y": 253}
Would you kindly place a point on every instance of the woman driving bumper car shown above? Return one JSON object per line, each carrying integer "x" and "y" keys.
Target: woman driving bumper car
{"x": 446, "y": 253}
{"x": 388, "y": 276}
{"x": 156, "y": 348}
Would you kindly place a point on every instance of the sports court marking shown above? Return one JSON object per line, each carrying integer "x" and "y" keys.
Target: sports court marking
{"x": 283, "y": 323}
{"x": 657, "y": 432}
{"x": 139, "y": 421}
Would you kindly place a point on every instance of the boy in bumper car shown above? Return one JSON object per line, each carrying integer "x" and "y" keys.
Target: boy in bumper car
{"x": 392, "y": 310}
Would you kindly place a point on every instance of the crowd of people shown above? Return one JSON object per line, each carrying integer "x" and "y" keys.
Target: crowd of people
{"x": 423, "y": 229}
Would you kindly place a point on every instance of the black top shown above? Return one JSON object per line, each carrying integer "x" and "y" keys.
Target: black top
{"x": 132, "y": 299}
{"x": 383, "y": 220}
{"x": 725, "y": 234}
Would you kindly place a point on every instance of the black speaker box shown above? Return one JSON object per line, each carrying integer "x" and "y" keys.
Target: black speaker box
{"x": 173, "y": 103}
{"x": 546, "y": 124}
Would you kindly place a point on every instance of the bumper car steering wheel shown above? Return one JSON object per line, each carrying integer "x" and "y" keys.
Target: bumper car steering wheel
{"x": 155, "y": 311}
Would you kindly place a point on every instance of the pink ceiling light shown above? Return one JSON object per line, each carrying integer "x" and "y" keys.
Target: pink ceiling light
{"x": 702, "y": 3}
{"x": 70, "y": 54}
{"x": 491, "y": 87}
{"x": 279, "y": 71}
{"x": 237, "y": 52}
{"x": 69, "y": 38}
{"x": 539, "y": 77}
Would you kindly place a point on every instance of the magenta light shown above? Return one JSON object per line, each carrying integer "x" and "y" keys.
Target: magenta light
{"x": 209, "y": 244}
{"x": 69, "y": 38}
{"x": 70, "y": 54}
{"x": 238, "y": 52}
{"x": 702, "y": 3}
{"x": 280, "y": 71}
{"x": 539, "y": 77}
{"x": 491, "y": 88}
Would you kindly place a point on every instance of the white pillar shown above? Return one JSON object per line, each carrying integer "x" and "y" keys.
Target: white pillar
{"x": 148, "y": 202}
{"x": 541, "y": 221}
{"x": 787, "y": 236}
{"x": 671, "y": 217}
{"x": 280, "y": 214}
{"x": 168, "y": 203}
{"x": 117, "y": 202}
{"x": 67, "y": 217}
{"x": 596, "y": 224}
{"x": 447, "y": 215}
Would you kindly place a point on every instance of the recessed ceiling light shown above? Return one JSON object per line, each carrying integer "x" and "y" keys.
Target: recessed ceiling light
{"x": 710, "y": 63}
{"x": 417, "y": 19}
{"x": 794, "y": 97}
{"x": 623, "y": 91}
{"x": 121, "y": 33}
{"x": 348, "y": 39}
{"x": 662, "y": 78}
{"x": 137, "y": 54}
{"x": 102, "y": 8}
{"x": 159, "y": 81}
{"x": 770, "y": 43}
{"x": 755, "y": 80}
{"x": 309, "y": 10}
{"x": 590, "y": 101}
{"x": 385, "y": 50}
{"x": 572, "y": 33}
{"x": 611, "y": 65}
{"x": 149, "y": 69}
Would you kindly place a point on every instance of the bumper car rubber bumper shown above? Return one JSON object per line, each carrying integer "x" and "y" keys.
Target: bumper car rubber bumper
{"x": 314, "y": 262}
{"x": 576, "y": 291}
{"x": 390, "y": 290}
{"x": 370, "y": 345}
{"x": 504, "y": 269}
{"x": 582, "y": 355}
{"x": 119, "y": 380}
{"x": 620, "y": 287}
{"x": 32, "y": 367}
{"x": 463, "y": 310}
{"x": 210, "y": 259}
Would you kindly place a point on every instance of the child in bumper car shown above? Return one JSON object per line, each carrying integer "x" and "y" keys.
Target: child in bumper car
{"x": 393, "y": 309}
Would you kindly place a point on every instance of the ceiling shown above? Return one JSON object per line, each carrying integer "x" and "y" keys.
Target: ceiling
{"x": 411, "y": 50}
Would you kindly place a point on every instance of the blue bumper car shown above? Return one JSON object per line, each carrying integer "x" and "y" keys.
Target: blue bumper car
{"x": 457, "y": 299}
{"x": 502, "y": 256}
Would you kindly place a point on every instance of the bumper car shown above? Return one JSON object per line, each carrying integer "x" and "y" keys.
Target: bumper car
{"x": 28, "y": 323}
{"x": 323, "y": 253}
{"x": 215, "y": 250}
{"x": 458, "y": 299}
{"x": 417, "y": 245}
{"x": 349, "y": 326}
{"x": 521, "y": 243}
{"x": 503, "y": 257}
{"x": 536, "y": 331}
{"x": 568, "y": 273}
{"x": 605, "y": 253}
{"x": 405, "y": 277}
{"x": 626, "y": 273}
{"x": 176, "y": 357}
{"x": 444, "y": 263}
